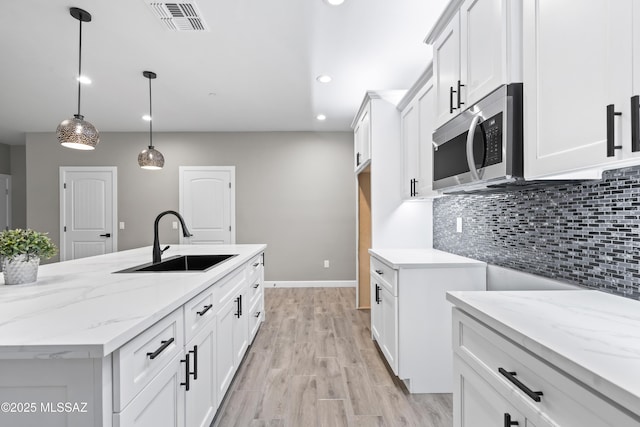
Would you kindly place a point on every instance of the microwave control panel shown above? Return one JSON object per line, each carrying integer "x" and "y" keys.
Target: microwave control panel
{"x": 492, "y": 128}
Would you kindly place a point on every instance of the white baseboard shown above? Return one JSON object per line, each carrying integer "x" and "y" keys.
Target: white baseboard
{"x": 311, "y": 284}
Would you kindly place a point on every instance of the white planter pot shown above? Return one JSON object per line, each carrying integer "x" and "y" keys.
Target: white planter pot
{"x": 19, "y": 270}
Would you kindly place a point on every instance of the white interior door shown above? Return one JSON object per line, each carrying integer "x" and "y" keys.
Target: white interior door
{"x": 207, "y": 203}
{"x": 5, "y": 202}
{"x": 88, "y": 205}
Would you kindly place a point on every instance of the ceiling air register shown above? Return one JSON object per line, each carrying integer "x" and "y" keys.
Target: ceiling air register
{"x": 179, "y": 16}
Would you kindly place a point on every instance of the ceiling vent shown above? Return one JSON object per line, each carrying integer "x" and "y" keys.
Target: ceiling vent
{"x": 179, "y": 16}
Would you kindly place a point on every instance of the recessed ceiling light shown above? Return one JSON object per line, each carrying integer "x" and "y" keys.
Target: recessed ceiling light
{"x": 146, "y": 117}
{"x": 321, "y": 117}
{"x": 334, "y": 2}
{"x": 84, "y": 80}
{"x": 323, "y": 78}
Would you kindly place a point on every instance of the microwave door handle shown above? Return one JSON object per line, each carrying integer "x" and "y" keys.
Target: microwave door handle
{"x": 470, "y": 160}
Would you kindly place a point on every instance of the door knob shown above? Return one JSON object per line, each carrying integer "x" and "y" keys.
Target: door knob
{"x": 106, "y": 235}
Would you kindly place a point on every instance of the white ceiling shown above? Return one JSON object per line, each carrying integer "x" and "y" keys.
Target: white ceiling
{"x": 254, "y": 70}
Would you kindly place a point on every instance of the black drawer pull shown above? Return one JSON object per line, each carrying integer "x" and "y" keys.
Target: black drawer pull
{"x": 451, "y": 107}
{"x": 160, "y": 349}
{"x": 460, "y": 85}
{"x": 508, "y": 422}
{"x": 195, "y": 362}
{"x": 186, "y": 372}
{"x": 256, "y": 264}
{"x": 256, "y": 286}
{"x": 257, "y": 314}
{"x": 511, "y": 376}
{"x": 106, "y": 235}
{"x": 205, "y": 309}
{"x": 380, "y": 272}
{"x": 611, "y": 132}
{"x": 377, "y": 294}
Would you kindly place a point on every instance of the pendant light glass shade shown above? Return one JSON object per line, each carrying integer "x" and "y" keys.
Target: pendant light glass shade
{"x": 76, "y": 132}
{"x": 150, "y": 158}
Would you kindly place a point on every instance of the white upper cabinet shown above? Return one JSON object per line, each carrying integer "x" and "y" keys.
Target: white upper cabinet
{"x": 362, "y": 139}
{"x": 476, "y": 45}
{"x": 417, "y": 118}
{"x": 577, "y": 61}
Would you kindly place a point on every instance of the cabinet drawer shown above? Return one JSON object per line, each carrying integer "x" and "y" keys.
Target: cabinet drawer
{"x": 385, "y": 275}
{"x": 198, "y": 312}
{"x": 562, "y": 400}
{"x": 255, "y": 267}
{"x": 227, "y": 288}
{"x": 137, "y": 362}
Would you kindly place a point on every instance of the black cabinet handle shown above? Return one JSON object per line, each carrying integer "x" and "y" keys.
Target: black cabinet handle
{"x": 412, "y": 191}
{"x": 357, "y": 159}
{"x": 256, "y": 264}
{"x": 160, "y": 349}
{"x": 380, "y": 272}
{"x": 256, "y": 286}
{"x": 239, "y": 306}
{"x": 377, "y": 294}
{"x": 186, "y": 372}
{"x": 511, "y": 376}
{"x": 611, "y": 132}
{"x": 106, "y": 235}
{"x": 635, "y": 123}
{"x": 205, "y": 309}
{"x": 508, "y": 422}
{"x": 451, "y": 107}
{"x": 195, "y": 362}
{"x": 257, "y": 314}
{"x": 460, "y": 85}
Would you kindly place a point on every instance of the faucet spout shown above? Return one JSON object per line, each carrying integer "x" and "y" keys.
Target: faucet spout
{"x": 157, "y": 253}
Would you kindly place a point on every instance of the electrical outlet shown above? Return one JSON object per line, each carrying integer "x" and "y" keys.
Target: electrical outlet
{"x": 326, "y": 263}
{"x": 459, "y": 225}
{"x": 121, "y": 225}
{"x": 174, "y": 224}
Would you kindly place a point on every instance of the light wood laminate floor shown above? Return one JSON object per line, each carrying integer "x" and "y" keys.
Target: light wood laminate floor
{"x": 313, "y": 363}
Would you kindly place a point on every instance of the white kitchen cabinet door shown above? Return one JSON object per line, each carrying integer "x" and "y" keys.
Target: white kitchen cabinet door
{"x": 225, "y": 354}
{"x": 410, "y": 136}
{"x": 476, "y": 403}
{"x": 426, "y": 106}
{"x": 576, "y": 61}
{"x": 362, "y": 139}
{"x": 389, "y": 339}
{"x": 201, "y": 399}
{"x": 161, "y": 403}
{"x": 487, "y": 37}
{"x": 376, "y": 311}
{"x": 241, "y": 326}
{"x": 446, "y": 70}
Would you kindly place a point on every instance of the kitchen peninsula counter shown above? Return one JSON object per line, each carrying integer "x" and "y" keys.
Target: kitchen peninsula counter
{"x": 83, "y": 309}
{"x": 591, "y": 337}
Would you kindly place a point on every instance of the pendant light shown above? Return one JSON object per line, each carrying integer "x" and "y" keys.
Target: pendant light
{"x": 76, "y": 132}
{"x": 150, "y": 158}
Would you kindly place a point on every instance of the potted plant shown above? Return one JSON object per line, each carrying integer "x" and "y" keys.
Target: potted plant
{"x": 20, "y": 254}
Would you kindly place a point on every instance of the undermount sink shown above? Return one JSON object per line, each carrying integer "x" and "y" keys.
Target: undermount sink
{"x": 180, "y": 263}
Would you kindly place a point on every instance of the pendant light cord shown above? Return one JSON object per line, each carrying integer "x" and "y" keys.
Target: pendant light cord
{"x": 79, "y": 66}
{"x": 151, "y": 116}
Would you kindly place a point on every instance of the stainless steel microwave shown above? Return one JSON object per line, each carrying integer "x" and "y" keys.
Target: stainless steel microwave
{"x": 482, "y": 146}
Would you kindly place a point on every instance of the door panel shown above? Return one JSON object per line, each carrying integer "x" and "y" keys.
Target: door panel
{"x": 207, "y": 204}
{"x": 88, "y": 211}
{"x": 5, "y": 202}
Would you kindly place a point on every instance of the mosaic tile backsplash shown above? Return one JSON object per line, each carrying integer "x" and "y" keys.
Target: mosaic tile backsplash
{"x": 586, "y": 234}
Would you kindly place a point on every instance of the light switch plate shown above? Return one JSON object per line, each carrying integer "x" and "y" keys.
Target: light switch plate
{"x": 459, "y": 225}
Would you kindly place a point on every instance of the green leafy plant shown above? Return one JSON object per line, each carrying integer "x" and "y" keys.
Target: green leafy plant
{"x": 26, "y": 242}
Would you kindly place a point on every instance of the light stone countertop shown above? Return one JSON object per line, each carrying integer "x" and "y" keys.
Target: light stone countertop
{"x": 590, "y": 335}
{"x": 423, "y": 258}
{"x": 81, "y": 308}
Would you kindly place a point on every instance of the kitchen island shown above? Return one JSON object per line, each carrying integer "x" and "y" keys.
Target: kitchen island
{"x": 543, "y": 358}
{"x": 106, "y": 344}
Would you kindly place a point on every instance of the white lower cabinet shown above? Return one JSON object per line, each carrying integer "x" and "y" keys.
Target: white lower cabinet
{"x": 161, "y": 403}
{"x": 201, "y": 398}
{"x": 495, "y": 376}
{"x": 411, "y": 319}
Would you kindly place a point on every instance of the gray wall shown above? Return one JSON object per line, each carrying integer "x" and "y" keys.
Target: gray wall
{"x": 18, "y": 186}
{"x": 294, "y": 191}
{"x": 5, "y": 159}
{"x": 586, "y": 234}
